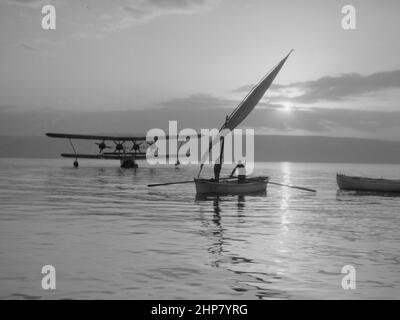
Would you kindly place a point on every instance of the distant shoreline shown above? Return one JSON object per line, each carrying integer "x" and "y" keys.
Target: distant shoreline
{"x": 268, "y": 148}
{"x": 171, "y": 165}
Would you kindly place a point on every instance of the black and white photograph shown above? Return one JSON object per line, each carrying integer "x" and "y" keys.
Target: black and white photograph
{"x": 199, "y": 150}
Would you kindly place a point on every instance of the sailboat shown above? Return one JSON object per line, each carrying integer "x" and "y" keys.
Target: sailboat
{"x": 234, "y": 185}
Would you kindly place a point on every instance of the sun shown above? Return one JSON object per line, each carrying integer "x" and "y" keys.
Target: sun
{"x": 287, "y": 107}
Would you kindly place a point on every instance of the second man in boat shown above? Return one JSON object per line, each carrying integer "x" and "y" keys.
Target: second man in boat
{"x": 241, "y": 172}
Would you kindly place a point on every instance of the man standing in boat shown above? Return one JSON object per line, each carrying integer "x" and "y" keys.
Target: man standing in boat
{"x": 241, "y": 172}
{"x": 217, "y": 171}
{"x": 218, "y": 166}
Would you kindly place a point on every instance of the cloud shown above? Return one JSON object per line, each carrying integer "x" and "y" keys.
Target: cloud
{"x": 40, "y": 46}
{"x": 198, "y": 101}
{"x": 313, "y": 121}
{"x": 207, "y": 101}
{"x": 29, "y": 3}
{"x": 246, "y": 88}
{"x": 334, "y": 88}
{"x": 201, "y": 110}
{"x": 28, "y": 47}
{"x": 134, "y": 12}
{"x": 120, "y": 15}
{"x": 8, "y": 108}
{"x": 26, "y": 3}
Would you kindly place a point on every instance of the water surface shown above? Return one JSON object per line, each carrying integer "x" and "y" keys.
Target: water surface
{"x": 109, "y": 236}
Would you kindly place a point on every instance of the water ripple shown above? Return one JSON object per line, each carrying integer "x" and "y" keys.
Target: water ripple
{"x": 110, "y": 236}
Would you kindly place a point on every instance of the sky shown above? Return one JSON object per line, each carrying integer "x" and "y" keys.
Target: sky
{"x": 126, "y": 66}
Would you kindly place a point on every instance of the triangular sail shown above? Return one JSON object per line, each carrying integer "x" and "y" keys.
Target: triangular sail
{"x": 253, "y": 97}
{"x": 248, "y": 104}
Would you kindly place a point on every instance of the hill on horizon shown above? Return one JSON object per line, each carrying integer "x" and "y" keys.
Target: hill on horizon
{"x": 272, "y": 148}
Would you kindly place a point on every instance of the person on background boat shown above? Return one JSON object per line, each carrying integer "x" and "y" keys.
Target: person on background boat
{"x": 241, "y": 172}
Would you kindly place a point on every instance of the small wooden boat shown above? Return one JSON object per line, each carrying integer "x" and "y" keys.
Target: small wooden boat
{"x": 231, "y": 186}
{"x": 367, "y": 184}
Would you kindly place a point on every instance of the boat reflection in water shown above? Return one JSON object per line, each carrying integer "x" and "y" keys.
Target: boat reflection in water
{"x": 248, "y": 278}
{"x": 215, "y": 230}
{"x": 344, "y": 195}
{"x": 218, "y": 198}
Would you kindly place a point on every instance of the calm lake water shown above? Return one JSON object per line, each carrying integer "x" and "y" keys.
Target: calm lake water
{"x": 109, "y": 236}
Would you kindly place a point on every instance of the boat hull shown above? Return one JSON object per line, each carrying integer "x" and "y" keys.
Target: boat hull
{"x": 128, "y": 163}
{"x": 367, "y": 184}
{"x": 231, "y": 187}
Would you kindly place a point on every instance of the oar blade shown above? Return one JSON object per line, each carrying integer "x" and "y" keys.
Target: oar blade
{"x": 294, "y": 187}
{"x": 169, "y": 183}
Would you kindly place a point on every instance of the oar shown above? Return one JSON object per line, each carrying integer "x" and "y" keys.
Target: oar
{"x": 181, "y": 182}
{"x": 190, "y": 181}
{"x": 169, "y": 183}
{"x": 294, "y": 187}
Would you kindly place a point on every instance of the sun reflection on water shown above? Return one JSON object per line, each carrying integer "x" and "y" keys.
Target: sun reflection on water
{"x": 285, "y": 192}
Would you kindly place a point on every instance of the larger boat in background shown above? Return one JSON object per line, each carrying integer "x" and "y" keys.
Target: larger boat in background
{"x": 367, "y": 184}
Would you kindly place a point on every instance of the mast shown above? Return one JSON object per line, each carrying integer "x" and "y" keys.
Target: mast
{"x": 247, "y": 105}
